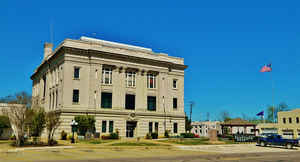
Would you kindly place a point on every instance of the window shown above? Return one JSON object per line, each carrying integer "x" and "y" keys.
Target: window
{"x": 150, "y": 127}
{"x": 56, "y": 100}
{"x": 45, "y": 82}
{"x": 75, "y": 96}
{"x": 156, "y": 127}
{"x": 107, "y": 76}
{"x": 175, "y": 83}
{"x": 130, "y": 79}
{"x": 111, "y": 126}
{"x": 76, "y": 72}
{"x": 297, "y": 119}
{"x": 284, "y": 120}
{"x": 151, "y": 100}
{"x": 106, "y": 100}
{"x": 130, "y": 102}
{"x": 175, "y": 103}
{"x": 290, "y": 120}
{"x": 103, "y": 126}
{"x": 151, "y": 81}
{"x": 50, "y": 101}
{"x": 175, "y": 128}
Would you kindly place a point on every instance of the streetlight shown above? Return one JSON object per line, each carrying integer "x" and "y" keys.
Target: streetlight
{"x": 74, "y": 129}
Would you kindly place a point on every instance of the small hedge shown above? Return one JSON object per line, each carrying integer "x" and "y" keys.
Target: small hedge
{"x": 187, "y": 135}
{"x": 63, "y": 135}
{"x": 110, "y": 136}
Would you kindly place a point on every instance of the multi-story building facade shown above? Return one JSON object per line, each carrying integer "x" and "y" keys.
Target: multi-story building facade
{"x": 202, "y": 128}
{"x": 289, "y": 123}
{"x": 127, "y": 88}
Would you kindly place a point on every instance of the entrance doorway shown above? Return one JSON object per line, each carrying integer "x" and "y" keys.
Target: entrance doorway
{"x": 130, "y": 127}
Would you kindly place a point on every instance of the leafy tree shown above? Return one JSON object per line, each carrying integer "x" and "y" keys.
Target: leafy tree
{"x": 52, "y": 123}
{"x": 85, "y": 123}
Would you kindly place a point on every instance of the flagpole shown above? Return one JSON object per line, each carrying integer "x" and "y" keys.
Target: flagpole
{"x": 273, "y": 96}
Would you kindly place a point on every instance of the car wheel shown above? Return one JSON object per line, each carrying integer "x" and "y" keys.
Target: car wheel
{"x": 263, "y": 144}
{"x": 289, "y": 146}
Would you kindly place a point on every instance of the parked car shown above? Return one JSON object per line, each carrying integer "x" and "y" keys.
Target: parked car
{"x": 275, "y": 139}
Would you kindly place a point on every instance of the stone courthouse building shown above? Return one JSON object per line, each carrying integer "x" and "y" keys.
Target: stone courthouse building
{"x": 127, "y": 88}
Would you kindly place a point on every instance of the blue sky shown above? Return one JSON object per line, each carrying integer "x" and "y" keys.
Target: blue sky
{"x": 224, "y": 43}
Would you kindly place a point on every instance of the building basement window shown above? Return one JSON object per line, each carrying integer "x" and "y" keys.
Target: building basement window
{"x": 103, "y": 126}
{"x": 111, "y": 126}
{"x": 75, "y": 96}
{"x": 130, "y": 102}
{"x": 106, "y": 100}
{"x": 175, "y": 128}
{"x": 151, "y": 100}
{"x": 150, "y": 127}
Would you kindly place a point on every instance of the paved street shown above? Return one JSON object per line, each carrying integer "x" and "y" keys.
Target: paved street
{"x": 236, "y": 148}
{"x": 249, "y": 157}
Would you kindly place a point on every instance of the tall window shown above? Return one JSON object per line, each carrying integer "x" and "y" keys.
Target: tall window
{"x": 150, "y": 127}
{"x": 151, "y": 81}
{"x": 151, "y": 100}
{"x": 45, "y": 82}
{"x": 175, "y": 128}
{"x": 156, "y": 127}
{"x": 56, "y": 100}
{"x": 75, "y": 96}
{"x": 111, "y": 126}
{"x": 130, "y": 102}
{"x": 106, "y": 100}
{"x": 174, "y": 103}
{"x": 290, "y": 120}
{"x": 107, "y": 75}
{"x": 130, "y": 79}
{"x": 284, "y": 120}
{"x": 297, "y": 119}
{"x": 103, "y": 126}
{"x": 174, "y": 83}
{"x": 76, "y": 72}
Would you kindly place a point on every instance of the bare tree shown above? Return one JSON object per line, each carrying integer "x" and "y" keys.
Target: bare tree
{"x": 224, "y": 116}
{"x": 16, "y": 112}
{"x": 52, "y": 123}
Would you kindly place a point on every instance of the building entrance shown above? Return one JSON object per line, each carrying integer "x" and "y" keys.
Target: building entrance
{"x": 130, "y": 128}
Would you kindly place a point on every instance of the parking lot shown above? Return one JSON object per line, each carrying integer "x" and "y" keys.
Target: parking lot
{"x": 237, "y": 148}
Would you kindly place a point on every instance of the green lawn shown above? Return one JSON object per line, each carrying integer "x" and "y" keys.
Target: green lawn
{"x": 187, "y": 141}
{"x": 137, "y": 144}
{"x": 95, "y": 141}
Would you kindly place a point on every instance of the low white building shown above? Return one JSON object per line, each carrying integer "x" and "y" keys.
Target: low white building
{"x": 202, "y": 128}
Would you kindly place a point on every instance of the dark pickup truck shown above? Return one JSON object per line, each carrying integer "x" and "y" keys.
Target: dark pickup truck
{"x": 275, "y": 139}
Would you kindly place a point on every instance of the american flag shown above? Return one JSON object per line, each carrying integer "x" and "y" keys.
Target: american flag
{"x": 266, "y": 68}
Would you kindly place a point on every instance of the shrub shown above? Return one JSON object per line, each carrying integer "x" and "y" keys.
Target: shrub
{"x": 85, "y": 123}
{"x": 148, "y": 136}
{"x": 63, "y": 135}
{"x": 105, "y": 137}
{"x": 154, "y": 135}
{"x": 187, "y": 135}
{"x": 167, "y": 132}
{"x": 113, "y": 136}
{"x": 197, "y": 136}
